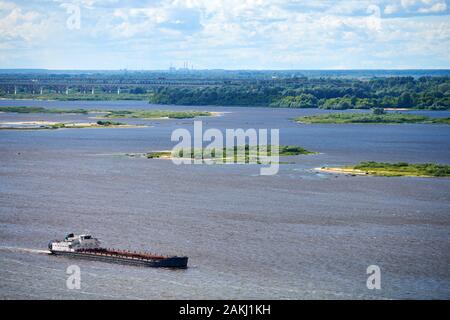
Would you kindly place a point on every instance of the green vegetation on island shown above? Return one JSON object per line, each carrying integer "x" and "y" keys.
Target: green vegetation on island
{"x": 143, "y": 114}
{"x": 40, "y": 110}
{"x": 242, "y": 154}
{"x": 394, "y": 169}
{"x": 98, "y": 124}
{"x": 374, "y": 117}
{"x": 156, "y": 114}
{"x": 157, "y": 154}
{"x": 110, "y": 123}
{"x": 43, "y": 125}
{"x": 404, "y": 169}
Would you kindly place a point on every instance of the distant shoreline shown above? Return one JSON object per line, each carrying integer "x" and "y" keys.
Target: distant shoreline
{"x": 221, "y": 106}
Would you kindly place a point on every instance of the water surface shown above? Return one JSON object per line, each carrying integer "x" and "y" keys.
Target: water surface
{"x": 296, "y": 235}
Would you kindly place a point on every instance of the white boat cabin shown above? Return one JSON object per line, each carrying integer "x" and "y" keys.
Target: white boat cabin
{"x": 72, "y": 242}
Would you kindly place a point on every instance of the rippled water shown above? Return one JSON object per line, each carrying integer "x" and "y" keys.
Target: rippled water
{"x": 295, "y": 235}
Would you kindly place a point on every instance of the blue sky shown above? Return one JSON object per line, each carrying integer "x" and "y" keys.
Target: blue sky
{"x": 231, "y": 34}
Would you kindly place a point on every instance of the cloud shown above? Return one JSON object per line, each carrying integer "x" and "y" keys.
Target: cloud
{"x": 391, "y": 8}
{"x": 17, "y": 24}
{"x": 408, "y": 3}
{"x": 229, "y": 34}
{"x": 437, "y": 7}
{"x": 424, "y": 6}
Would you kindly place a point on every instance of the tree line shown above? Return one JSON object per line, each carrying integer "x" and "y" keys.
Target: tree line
{"x": 326, "y": 93}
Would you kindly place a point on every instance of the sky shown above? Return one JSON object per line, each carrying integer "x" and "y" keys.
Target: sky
{"x": 225, "y": 34}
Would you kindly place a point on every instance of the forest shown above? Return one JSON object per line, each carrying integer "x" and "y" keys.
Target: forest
{"x": 326, "y": 93}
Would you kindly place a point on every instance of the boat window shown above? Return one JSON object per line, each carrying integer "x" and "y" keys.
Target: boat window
{"x": 87, "y": 237}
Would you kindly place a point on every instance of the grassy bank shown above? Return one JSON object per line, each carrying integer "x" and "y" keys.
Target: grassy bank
{"x": 393, "y": 169}
{"x": 387, "y": 118}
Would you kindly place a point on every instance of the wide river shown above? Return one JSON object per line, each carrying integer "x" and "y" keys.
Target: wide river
{"x": 295, "y": 235}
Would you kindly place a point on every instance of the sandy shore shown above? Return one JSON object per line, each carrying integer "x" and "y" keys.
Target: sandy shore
{"x": 218, "y": 113}
{"x": 95, "y": 125}
{"x": 341, "y": 170}
{"x": 108, "y": 118}
{"x": 79, "y": 125}
{"x": 213, "y": 114}
{"x": 378, "y": 173}
{"x": 29, "y": 123}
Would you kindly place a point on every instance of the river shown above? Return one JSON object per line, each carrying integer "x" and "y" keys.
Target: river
{"x": 295, "y": 235}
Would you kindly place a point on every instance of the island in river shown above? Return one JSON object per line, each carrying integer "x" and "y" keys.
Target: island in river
{"x": 137, "y": 114}
{"x": 49, "y": 125}
{"x": 384, "y": 118}
{"x": 243, "y": 154}
{"x": 157, "y": 114}
{"x": 392, "y": 169}
{"x": 142, "y": 114}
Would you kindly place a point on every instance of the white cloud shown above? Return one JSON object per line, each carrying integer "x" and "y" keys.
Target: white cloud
{"x": 233, "y": 33}
{"x": 18, "y": 24}
{"x": 437, "y": 7}
{"x": 7, "y": 6}
{"x": 391, "y": 8}
{"x": 408, "y": 3}
{"x": 424, "y": 6}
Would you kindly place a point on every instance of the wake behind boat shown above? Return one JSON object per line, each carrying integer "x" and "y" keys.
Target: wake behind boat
{"x": 85, "y": 246}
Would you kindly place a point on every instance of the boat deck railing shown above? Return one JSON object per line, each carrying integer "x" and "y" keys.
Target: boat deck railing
{"x": 122, "y": 254}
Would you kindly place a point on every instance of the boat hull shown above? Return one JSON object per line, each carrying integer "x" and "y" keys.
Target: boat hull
{"x": 169, "y": 262}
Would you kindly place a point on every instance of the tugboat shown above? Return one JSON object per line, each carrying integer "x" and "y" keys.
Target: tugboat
{"x": 85, "y": 246}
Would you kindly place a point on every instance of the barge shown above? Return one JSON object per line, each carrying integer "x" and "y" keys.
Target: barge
{"x": 85, "y": 246}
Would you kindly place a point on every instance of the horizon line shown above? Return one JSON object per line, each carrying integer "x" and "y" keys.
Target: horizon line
{"x": 238, "y": 69}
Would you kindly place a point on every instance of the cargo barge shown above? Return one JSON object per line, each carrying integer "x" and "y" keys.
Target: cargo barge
{"x": 87, "y": 247}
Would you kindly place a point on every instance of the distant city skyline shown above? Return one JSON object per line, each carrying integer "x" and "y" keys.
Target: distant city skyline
{"x": 232, "y": 34}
